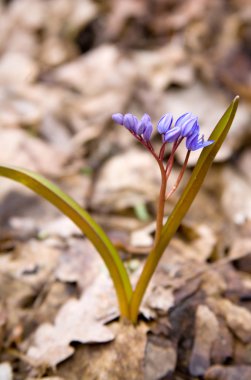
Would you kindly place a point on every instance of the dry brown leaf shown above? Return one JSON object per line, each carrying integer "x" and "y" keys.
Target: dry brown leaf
{"x": 17, "y": 68}
{"x": 165, "y": 66}
{"x": 159, "y": 298}
{"x": 47, "y": 378}
{"x": 32, "y": 20}
{"x": 62, "y": 227}
{"x": 94, "y": 81}
{"x": 242, "y": 353}
{"x": 213, "y": 283}
{"x": 120, "y": 13}
{"x": 244, "y": 163}
{"x": 143, "y": 237}
{"x": 222, "y": 348}
{"x": 206, "y": 332}
{"x": 197, "y": 247}
{"x": 121, "y": 359}
{"x": 240, "y": 253}
{"x": 55, "y": 51}
{"x": 82, "y": 13}
{"x": 117, "y": 189}
{"x": 237, "y": 318}
{"x": 79, "y": 263}
{"x": 77, "y": 321}
{"x": 160, "y": 358}
{"x": 32, "y": 262}
{"x": 20, "y": 149}
{"x": 235, "y": 198}
{"x": 219, "y": 372}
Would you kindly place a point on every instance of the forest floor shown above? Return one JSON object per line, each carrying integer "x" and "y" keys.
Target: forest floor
{"x": 66, "y": 66}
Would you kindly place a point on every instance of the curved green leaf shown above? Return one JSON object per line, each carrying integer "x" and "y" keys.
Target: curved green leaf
{"x": 204, "y": 162}
{"x": 83, "y": 220}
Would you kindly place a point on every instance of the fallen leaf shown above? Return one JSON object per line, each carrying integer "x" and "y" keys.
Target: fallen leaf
{"x": 77, "y": 321}
{"x": 160, "y": 358}
{"x": 121, "y": 359}
{"x": 115, "y": 190}
{"x": 238, "y": 318}
{"x": 20, "y": 149}
{"x": 235, "y": 199}
{"x": 206, "y": 333}
{"x": 218, "y": 372}
{"x": 223, "y": 347}
{"x": 242, "y": 353}
{"x": 17, "y": 68}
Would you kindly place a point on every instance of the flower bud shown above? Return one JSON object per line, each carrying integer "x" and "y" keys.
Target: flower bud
{"x": 148, "y": 132}
{"x": 172, "y": 135}
{"x": 144, "y": 124}
{"x": 130, "y": 122}
{"x": 165, "y": 123}
{"x": 188, "y": 124}
{"x": 118, "y": 118}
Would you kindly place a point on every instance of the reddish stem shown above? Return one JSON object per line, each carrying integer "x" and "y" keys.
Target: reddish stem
{"x": 180, "y": 176}
{"x": 162, "y": 151}
{"x": 161, "y": 205}
{"x": 165, "y": 172}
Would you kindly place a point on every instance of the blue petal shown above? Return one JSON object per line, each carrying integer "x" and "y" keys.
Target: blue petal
{"x": 172, "y": 135}
{"x": 141, "y": 128}
{"x": 165, "y": 123}
{"x": 193, "y": 142}
{"x": 183, "y": 118}
{"x": 131, "y": 122}
{"x": 144, "y": 124}
{"x": 118, "y": 118}
{"x": 188, "y": 124}
{"x": 190, "y": 127}
{"x": 148, "y": 132}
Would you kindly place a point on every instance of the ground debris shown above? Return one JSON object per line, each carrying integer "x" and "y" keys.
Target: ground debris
{"x": 65, "y": 67}
{"x": 206, "y": 332}
{"x": 218, "y": 372}
{"x": 160, "y": 358}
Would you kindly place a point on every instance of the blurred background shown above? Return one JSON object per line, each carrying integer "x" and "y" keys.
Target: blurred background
{"x": 65, "y": 67}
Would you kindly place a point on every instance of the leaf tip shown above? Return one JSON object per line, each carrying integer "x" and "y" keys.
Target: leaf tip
{"x": 236, "y": 99}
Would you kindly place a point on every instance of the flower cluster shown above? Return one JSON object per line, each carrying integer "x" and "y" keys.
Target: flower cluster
{"x": 186, "y": 126}
{"x": 141, "y": 127}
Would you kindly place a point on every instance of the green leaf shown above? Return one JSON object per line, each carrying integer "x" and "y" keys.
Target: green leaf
{"x": 204, "y": 162}
{"x": 83, "y": 220}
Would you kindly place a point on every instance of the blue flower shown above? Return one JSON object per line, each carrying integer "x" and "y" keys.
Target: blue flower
{"x": 148, "y": 132}
{"x": 188, "y": 124}
{"x": 131, "y": 122}
{"x": 165, "y": 123}
{"x": 185, "y": 126}
{"x": 118, "y": 118}
{"x": 172, "y": 135}
{"x": 145, "y": 127}
{"x": 193, "y": 142}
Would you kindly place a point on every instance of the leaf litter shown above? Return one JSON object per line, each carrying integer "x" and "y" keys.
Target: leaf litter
{"x": 65, "y": 68}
